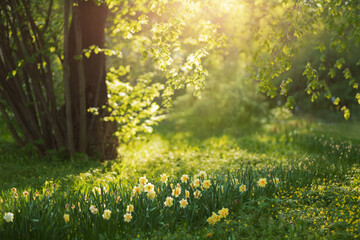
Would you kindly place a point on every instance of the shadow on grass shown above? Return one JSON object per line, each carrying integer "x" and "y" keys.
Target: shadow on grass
{"x": 23, "y": 168}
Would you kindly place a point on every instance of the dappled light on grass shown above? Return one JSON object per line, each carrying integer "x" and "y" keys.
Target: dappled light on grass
{"x": 285, "y": 182}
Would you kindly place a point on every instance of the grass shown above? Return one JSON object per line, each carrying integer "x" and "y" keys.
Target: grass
{"x": 316, "y": 197}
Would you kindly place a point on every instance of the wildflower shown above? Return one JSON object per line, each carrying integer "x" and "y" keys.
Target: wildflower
{"x": 187, "y": 194}
{"x": 9, "y": 217}
{"x": 93, "y": 209}
{"x": 127, "y": 217}
{"x": 25, "y": 193}
{"x": 262, "y": 182}
{"x": 202, "y": 174}
{"x": 164, "y": 178}
{"x": 143, "y": 180}
{"x": 79, "y": 206}
{"x": 224, "y": 212}
{"x": 66, "y": 217}
{"x": 169, "y": 202}
{"x": 96, "y": 190}
{"x": 14, "y": 190}
{"x": 184, "y": 178}
{"x": 242, "y": 188}
{"x": 206, "y": 184}
{"x": 178, "y": 185}
{"x": 149, "y": 187}
{"x": 67, "y": 207}
{"x": 211, "y": 220}
{"x": 104, "y": 190}
{"x": 209, "y": 235}
{"x": 197, "y": 182}
{"x": 118, "y": 198}
{"x": 151, "y": 195}
{"x": 73, "y": 206}
{"x": 183, "y": 203}
{"x": 107, "y": 214}
{"x": 216, "y": 217}
{"x": 16, "y": 195}
{"x": 197, "y": 194}
{"x": 130, "y": 208}
{"x": 136, "y": 190}
{"x": 171, "y": 185}
{"x": 276, "y": 181}
{"x": 176, "y": 192}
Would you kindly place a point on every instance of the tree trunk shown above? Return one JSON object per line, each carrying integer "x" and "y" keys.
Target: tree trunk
{"x": 87, "y": 75}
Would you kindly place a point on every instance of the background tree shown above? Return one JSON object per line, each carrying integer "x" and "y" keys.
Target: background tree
{"x": 30, "y": 38}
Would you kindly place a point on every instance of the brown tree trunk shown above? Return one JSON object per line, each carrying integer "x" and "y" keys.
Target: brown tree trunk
{"x": 89, "y": 74}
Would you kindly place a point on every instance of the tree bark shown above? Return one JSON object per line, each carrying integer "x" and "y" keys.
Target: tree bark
{"x": 91, "y": 19}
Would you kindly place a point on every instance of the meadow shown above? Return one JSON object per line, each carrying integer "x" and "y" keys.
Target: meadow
{"x": 294, "y": 180}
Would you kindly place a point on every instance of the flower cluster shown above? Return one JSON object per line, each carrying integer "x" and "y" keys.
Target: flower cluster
{"x": 222, "y": 213}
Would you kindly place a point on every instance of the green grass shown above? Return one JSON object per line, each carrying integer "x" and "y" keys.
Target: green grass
{"x": 317, "y": 196}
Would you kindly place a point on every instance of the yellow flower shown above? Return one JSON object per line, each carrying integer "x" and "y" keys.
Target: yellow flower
{"x": 107, "y": 214}
{"x": 206, "y": 184}
{"x": 149, "y": 187}
{"x": 9, "y": 217}
{"x": 136, "y": 190}
{"x": 104, "y": 190}
{"x": 197, "y": 194}
{"x": 66, "y": 217}
{"x": 25, "y": 193}
{"x": 224, "y": 212}
{"x": 93, "y": 209}
{"x": 242, "y": 188}
{"x": 187, "y": 194}
{"x": 216, "y": 217}
{"x": 211, "y": 220}
{"x": 262, "y": 182}
{"x": 164, "y": 178}
{"x": 169, "y": 202}
{"x": 176, "y": 192}
{"x": 276, "y": 181}
{"x": 151, "y": 195}
{"x": 202, "y": 174}
{"x": 118, "y": 198}
{"x": 171, "y": 185}
{"x": 130, "y": 208}
{"x": 197, "y": 182}
{"x": 184, "y": 178}
{"x": 96, "y": 190}
{"x": 209, "y": 235}
{"x": 143, "y": 180}
{"x": 127, "y": 217}
{"x": 183, "y": 203}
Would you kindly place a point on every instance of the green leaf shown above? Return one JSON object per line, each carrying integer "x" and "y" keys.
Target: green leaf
{"x": 332, "y": 72}
{"x": 87, "y": 54}
{"x": 339, "y": 63}
{"x": 346, "y": 112}
{"x": 290, "y": 102}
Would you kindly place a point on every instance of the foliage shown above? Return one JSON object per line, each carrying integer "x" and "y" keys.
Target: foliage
{"x": 304, "y": 203}
{"x": 290, "y": 22}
